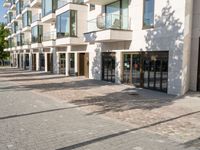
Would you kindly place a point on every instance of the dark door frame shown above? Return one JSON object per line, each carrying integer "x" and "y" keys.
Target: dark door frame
{"x": 111, "y": 55}
{"x": 198, "y": 70}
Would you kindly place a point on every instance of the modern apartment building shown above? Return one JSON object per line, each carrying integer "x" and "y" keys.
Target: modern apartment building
{"x": 151, "y": 44}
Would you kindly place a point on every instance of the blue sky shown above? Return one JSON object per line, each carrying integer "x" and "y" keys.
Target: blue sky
{"x": 2, "y": 11}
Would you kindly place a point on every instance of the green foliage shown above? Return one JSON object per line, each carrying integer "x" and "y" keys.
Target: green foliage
{"x": 3, "y": 43}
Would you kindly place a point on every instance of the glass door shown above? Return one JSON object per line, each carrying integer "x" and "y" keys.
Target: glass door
{"x": 108, "y": 67}
{"x": 136, "y": 69}
{"x": 62, "y": 63}
{"x": 127, "y": 69}
{"x": 71, "y": 64}
{"x": 42, "y": 62}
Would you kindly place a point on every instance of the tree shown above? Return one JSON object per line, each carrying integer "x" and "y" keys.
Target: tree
{"x": 3, "y": 43}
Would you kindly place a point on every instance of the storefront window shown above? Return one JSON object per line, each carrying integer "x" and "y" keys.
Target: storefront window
{"x": 148, "y": 70}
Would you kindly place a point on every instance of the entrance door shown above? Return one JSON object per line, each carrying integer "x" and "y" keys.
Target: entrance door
{"x": 18, "y": 60}
{"x": 26, "y": 61}
{"x": 198, "y": 76}
{"x": 22, "y": 62}
{"x": 108, "y": 67}
{"x": 50, "y": 62}
{"x": 71, "y": 64}
{"x": 34, "y": 62}
{"x": 131, "y": 73}
{"x": 62, "y": 63}
{"x": 84, "y": 64}
{"x": 42, "y": 62}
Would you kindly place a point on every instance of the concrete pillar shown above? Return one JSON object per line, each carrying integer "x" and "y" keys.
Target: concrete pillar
{"x": 24, "y": 60}
{"x": 30, "y": 61}
{"x": 20, "y": 60}
{"x": 58, "y": 63}
{"x": 67, "y": 64}
{"x": 118, "y": 67}
{"x": 45, "y": 63}
{"x": 76, "y": 63}
{"x": 37, "y": 61}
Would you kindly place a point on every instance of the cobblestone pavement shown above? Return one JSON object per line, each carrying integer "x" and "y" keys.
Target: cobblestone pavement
{"x": 37, "y": 111}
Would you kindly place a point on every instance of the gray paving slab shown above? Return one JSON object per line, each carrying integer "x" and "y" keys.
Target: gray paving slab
{"x": 32, "y": 121}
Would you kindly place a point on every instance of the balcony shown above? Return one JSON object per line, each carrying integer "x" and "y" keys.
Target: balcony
{"x": 49, "y": 18}
{"x": 99, "y": 2}
{"x": 109, "y": 28}
{"x": 48, "y": 39}
{"x": 26, "y": 29}
{"x": 35, "y": 3}
{"x": 36, "y": 20}
{"x": 26, "y": 7}
{"x": 60, "y": 42}
{"x": 7, "y": 3}
{"x": 62, "y": 3}
{"x": 19, "y": 17}
{"x": 13, "y": 7}
{"x": 26, "y": 44}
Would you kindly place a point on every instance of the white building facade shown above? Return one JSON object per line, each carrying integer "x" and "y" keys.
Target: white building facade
{"x": 151, "y": 44}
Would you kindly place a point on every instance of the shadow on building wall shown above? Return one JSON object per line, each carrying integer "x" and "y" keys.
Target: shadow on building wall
{"x": 168, "y": 35}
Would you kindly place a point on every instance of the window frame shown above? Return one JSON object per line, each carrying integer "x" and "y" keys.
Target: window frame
{"x": 144, "y": 27}
{"x": 58, "y": 20}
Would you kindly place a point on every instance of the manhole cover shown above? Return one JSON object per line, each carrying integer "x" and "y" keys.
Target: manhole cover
{"x": 134, "y": 94}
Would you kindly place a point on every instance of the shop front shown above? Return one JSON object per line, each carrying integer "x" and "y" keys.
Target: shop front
{"x": 146, "y": 69}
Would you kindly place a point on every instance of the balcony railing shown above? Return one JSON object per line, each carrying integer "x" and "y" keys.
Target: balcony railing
{"x": 26, "y": 4}
{"x": 27, "y": 42}
{"x": 36, "y": 17}
{"x": 49, "y": 36}
{"x": 109, "y": 21}
{"x": 64, "y": 2}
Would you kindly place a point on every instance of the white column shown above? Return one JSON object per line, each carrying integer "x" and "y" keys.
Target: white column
{"x": 67, "y": 64}
{"x": 45, "y": 62}
{"x": 58, "y": 63}
{"x": 118, "y": 68}
{"x": 37, "y": 61}
{"x": 30, "y": 61}
{"x": 20, "y": 60}
{"x": 24, "y": 60}
{"x": 76, "y": 63}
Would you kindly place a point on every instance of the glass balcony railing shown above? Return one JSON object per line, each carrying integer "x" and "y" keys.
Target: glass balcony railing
{"x": 49, "y": 36}
{"x": 36, "y": 17}
{"x": 26, "y": 4}
{"x": 64, "y": 2}
{"x": 109, "y": 21}
{"x": 27, "y": 42}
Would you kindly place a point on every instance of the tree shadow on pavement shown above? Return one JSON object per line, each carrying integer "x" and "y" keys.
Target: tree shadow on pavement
{"x": 107, "y": 137}
{"x": 193, "y": 143}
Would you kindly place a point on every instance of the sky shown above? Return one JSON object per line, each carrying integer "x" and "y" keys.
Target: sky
{"x": 2, "y": 11}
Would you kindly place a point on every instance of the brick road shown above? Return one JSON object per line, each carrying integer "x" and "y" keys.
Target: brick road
{"x": 32, "y": 119}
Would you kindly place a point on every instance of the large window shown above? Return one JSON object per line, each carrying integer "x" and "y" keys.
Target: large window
{"x": 37, "y": 32}
{"x": 66, "y": 24}
{"x": 117, "y": 15}
{"x": 14, "y": 27}
{"x": 148, "y": 17}
{"x": 48, "y": 6}
{"x": 146, "y": 69}
{"x": 10, "y": 17}
{"x": 19, "y": 7}
{"x": 20, "y": 39}
{"x": 27, "y": 19}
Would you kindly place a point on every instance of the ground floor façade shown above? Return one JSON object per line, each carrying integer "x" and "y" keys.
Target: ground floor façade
{"x": 150, "y": 69}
